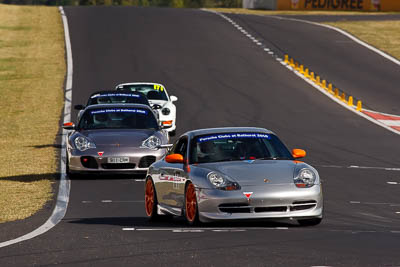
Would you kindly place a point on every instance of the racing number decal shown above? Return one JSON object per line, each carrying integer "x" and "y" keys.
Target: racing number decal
{"x": 174, "y": 179}
{"x": 158, "y": 87}
{"x": 175, "y": 184}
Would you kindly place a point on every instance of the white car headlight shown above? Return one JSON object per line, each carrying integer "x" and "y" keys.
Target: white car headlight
{"x": 221, "y": 182}
{"x": 165, "y": 111}
{"x": 305, "y": 178}
{"x": 83, "y": 143}
{"x": 152, "y": 142}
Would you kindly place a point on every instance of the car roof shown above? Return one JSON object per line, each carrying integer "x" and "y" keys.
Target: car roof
{"x": 118, "y": 105}
{"x": 134, "y": 83}
{"x": 116, "y": 92}
{"x": 227, "y": 130}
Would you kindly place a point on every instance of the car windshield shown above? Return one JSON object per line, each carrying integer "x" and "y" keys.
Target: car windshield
{"x": 237, "y": 146}
{"x": 114, "y": 98}
{"x": 117, "y": 118}
{"x": 151, "y": 91}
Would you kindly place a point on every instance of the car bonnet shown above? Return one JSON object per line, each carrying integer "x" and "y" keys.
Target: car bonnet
{"x": 124, "y": 138}
{"x": 255, "y": 172}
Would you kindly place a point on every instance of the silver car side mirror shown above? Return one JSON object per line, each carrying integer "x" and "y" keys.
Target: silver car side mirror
{"x": 79, "y": 107}
{"x": 173, "y": 98}
{"x": 167, "y": 146}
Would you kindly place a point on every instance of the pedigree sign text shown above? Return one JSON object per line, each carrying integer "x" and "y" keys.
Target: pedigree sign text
{"x": 352, "y": 5}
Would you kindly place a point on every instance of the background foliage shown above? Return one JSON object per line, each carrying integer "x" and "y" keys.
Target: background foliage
{"x": 163, "y": 3}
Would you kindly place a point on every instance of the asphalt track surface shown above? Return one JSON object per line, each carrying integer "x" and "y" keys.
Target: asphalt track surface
{"x": 352, "y": 68}
{"x": 223, "y": 79}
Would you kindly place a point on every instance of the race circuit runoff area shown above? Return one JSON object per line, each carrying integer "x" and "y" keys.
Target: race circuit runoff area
{"x": 388, "y": 121}
{"x": 376, "y": 212}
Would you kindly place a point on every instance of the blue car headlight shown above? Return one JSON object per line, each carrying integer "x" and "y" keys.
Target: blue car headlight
{"x": 221, "y": 182}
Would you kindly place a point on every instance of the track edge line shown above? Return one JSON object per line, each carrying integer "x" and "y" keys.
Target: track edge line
{"x": 65, "y": 184}
{"x": 317, "y": 86}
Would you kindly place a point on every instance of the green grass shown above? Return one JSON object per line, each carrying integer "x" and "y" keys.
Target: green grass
{"x": 384, "y": 35}
{"x": 32, "y": 70}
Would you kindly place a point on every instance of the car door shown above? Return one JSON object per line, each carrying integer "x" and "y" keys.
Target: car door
{"x": 181, "y": 173}
{"x": 173, "y": 176}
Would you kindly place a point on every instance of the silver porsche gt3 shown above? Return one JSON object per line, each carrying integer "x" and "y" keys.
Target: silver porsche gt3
{"x": 233, "y": 173}
{"x": 121, "y": 138}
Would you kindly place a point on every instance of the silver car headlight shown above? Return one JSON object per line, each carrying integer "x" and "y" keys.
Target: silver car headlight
{"x": 221, "y": 182}
{"x": 152, "y": 142}
{"x": 305, "y": 178}
{"x": 82, "y": 143}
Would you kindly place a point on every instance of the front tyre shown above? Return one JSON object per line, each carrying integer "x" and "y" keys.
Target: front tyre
{"x": 71, "y": 175}
{"x": 172, "y": 133}
{"x": 191, "y": 207}
{"x": 310, "y": 222}
{"x": 150, "y": 199}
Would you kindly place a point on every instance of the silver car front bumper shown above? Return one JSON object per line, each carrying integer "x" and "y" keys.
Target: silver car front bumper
{"x": 139, "y": 160}
{"x": 273, "y": 201}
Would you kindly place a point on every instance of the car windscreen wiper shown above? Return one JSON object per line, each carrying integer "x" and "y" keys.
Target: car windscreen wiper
{"x": 274, "y": 158}
{"x": 221, "y": 160}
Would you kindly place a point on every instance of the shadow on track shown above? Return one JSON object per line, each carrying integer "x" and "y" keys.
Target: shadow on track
{"x": 107, "y": 176}
{"x": 58, "y": 146}
{"x": 178, "y": 222}
{"x": 32, "y": 177}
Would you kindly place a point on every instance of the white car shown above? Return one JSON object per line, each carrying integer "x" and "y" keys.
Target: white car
{"x": 159, "y": 99}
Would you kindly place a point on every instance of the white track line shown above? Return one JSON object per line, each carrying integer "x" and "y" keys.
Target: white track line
{"x": 246, "y": 229}
{"x": 375, "y": 203}
{"x": 391, "y": 122}
{"x": 359, "y": 167}
{"x": 340, "y": 102}
{"x": 201, "y": 230}
{"x": 65, "y": 184}
{"x": 352, "y": 37}
{"x": 362, "y": 43}
{"x": 319, "y": 88}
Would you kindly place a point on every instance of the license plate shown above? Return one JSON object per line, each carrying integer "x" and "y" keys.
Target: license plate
{"x": 118, "y": 160}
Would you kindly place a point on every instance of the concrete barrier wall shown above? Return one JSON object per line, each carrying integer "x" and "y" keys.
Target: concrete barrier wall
{"x": 349, "y": 5}
{"x": 354, "y": 5}
{"x": 260, "y": 4}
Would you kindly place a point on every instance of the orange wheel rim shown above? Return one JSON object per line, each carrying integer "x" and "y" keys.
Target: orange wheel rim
{"x": 191, "y": 203}
{"x": 149, "y": 198}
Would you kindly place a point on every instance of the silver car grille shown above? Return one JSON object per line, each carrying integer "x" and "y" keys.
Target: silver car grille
{"x": 235, "y": 208}
{"x": 118, "y": 166}
{"x": 146, "y": 161}
{"x": 303, "y": 205}
{"x": 246, "y": 208}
